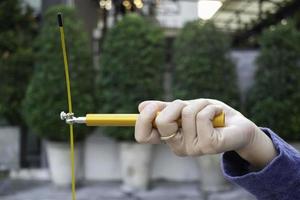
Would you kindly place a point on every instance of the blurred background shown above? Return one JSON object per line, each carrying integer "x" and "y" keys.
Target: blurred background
{"x": 121, "y": 52}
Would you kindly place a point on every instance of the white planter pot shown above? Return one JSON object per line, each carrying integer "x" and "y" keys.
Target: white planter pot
{"x": 135, "y": 166}
{"x": 211, "y": 179}
{"x": 59, "y": 161}
{"x": 9, "y": 147}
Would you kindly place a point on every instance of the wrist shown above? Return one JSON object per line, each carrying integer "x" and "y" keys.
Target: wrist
{"x": 260, "y": 150}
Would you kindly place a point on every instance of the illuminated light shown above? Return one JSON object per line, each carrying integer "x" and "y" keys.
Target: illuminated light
{"x": 108, "y": 5}
{"x": 127, "y": 4}
{"x": 138, "y": 3}
{"x": 207, "y": 8}
{"x": 284, "y": 22}
{"x": 102, "y": 3}
{"x": 139, "y": 6}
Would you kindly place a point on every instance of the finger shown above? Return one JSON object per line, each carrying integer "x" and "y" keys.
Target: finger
{"x": 142, "y": 105}
{"x": 208, "y": 136}
{"x": 167, "y": 125}
{"x": 166, "y": 121}
{"x": 188, "y": 119}
{"x": 144, "y": 132}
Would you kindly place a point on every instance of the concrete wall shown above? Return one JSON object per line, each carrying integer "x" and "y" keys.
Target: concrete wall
{"x": 102, "y": 161}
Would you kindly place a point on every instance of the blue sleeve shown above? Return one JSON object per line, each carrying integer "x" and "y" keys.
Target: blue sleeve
{"x": 279, "y": 180}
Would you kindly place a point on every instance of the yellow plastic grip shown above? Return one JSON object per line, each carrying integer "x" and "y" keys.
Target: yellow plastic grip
{"x": 130, "y": 119}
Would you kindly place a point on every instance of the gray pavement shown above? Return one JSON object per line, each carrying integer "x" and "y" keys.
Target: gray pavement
{"x": 29, "y": 190}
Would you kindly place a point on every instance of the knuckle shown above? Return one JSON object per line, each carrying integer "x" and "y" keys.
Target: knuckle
{"x": 144, "y": 118}
{"x": 160, "y": 121}
{"x": 203, "y": 101}
{"x": 178, "y": 101}
{"x": 210, "y": 106}
{"x": 208, "y": 109}
{"x": 187, "y": 111}
{"x": 141, "y": 105}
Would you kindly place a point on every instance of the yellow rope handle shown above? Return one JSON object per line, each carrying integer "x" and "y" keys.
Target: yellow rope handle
{"x": 68, "y": 84}
{"x": 130, "y": 119}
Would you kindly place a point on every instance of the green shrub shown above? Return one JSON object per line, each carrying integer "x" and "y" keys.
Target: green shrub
{"x": 203, "y": 67}
{"x": 46, "y": 95}
{"x": 274, "y": 99}
{"x": 18, "y": 28}
{"x": 132, "y": 67}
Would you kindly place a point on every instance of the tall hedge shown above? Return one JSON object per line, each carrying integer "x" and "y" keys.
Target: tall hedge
{"x": 46, "y": 94}
{"x": 132, "y": 66}
{"x": 18, "y": 29}
{"x": 203, "y": 68}
{"x": 274, "y": 100}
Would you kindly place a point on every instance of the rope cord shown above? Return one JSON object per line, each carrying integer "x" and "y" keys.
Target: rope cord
{"x": 63, "y": 45}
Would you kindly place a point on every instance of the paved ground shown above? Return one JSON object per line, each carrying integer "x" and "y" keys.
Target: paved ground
{"x": 29, "y": 190}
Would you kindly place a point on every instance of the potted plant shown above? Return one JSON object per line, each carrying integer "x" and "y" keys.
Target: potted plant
{"x": 131, "y": 71}
{"x": 203, "y": 69}
{"x": 46, "y": 93}
{"x": 18, "y": 29}
{"x": 274, "y": 99}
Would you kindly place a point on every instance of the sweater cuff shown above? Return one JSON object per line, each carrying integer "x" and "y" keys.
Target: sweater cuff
{"x": 277, "y": 177}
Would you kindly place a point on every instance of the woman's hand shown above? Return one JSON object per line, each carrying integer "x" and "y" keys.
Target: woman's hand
{"x": 197, "y": 136}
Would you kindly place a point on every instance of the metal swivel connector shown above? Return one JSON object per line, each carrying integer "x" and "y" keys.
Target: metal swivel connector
{"x": 71, "y": 119}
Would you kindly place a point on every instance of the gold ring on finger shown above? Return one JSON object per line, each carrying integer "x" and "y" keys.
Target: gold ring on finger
{"x": 164, "y": 138}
